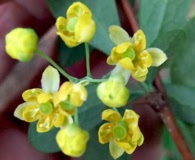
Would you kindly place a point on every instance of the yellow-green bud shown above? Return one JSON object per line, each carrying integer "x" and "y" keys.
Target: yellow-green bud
{"x": 113, "y": 93}
{"x": 72, "y": 140}
{"x": 21, "y": 43}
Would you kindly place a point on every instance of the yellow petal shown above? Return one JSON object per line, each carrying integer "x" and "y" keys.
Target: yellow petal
{"x": 31, "y": 94}
{"x": 139, "y": 40}
{"x": 121, "y": 48}
{"x": 110, "y": 61}
{"x": 78, "y": 95}
{"x": 19, "y": 110}
{"x": 31, "y": 112}
{"x": 63, "y": 93}
{"x": 137, "y": 136}
{"x": 45, "y": 123}
{"x": 105, "y": 133}
{"x": 85, "y": 29}
{"x": 131, "y": 117}
{"x": 44, "y": 97}
{"x": 69, "y": 40}
{"x": 61, "y": 23}
{"x": 144, "y": 59}
{"x": 115, "y": 150}
{"x": 140, "y": 74}
{"x": 78, "y": 9}
{"x": 62, "y": 119}
{"x": 111, "y": 115}
{"x": 118, "y": 35}
{"x": 141, "y": 140}
{"x": 158, "y": 56}
{"x": 127, "y": 63}
{"x": 126, "y": 146}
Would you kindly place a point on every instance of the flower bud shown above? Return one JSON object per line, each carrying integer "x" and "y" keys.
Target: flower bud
{"x": 113, "y": 93}
{"x": 21, "y": 43}
{"x": 72, "y": 140}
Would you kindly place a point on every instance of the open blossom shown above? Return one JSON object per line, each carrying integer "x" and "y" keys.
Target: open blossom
{"x": 21, "y": 43}
{"x": 72, "y": 140}
{"x": 39, "y": 104}
{"x": 131, "y": 53}
{"x": 122, "y": 133}
{"x": 78, "y": 27}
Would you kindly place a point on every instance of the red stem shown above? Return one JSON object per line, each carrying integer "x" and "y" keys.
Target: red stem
{"x": 161, "y": 103}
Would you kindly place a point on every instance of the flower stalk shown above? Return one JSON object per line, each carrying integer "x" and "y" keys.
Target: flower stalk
{"x": 87, "y": 59}
{"x": 51, "y": 61}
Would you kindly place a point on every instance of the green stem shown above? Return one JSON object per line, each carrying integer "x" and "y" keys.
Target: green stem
{"x": 87, "y": 59}
{"x": 91, "y": 80}
{"x": 76, "y": 117}
{"x": 46, "y": 57}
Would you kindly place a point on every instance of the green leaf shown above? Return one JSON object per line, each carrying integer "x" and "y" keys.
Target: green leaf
{"x": 182, "y": 102}
{"x": 90, "y": 113}
{"x": 97, "y": 151}
{"x": 101, "y": 40}
{"x": 171, "y": 43}
{"x": 158, "y": 16}
{"x": 182, "y": 68}
{"x": 44, "y": 142}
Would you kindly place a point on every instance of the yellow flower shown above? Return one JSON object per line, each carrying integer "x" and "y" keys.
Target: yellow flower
{"x": 113, "y": 93}
{"x": 122, "y": 133}
{"x": 78, "y": 27}
{"x": 21, "y": 43}
{"x": 131, "y": 53}
{"x": 72, "y": 140}
{"x": 39, "y": 104}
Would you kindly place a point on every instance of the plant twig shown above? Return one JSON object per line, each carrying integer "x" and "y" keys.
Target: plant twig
{"x": 159, "y": 100}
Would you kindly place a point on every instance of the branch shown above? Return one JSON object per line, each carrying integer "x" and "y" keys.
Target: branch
{"x": 159, "y": 100}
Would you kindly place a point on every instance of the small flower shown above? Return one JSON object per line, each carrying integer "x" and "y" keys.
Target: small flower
{"x": 78, "y": 27}
{"x": 39, "y": 104}
{"x": 72, "y": 140}
{"x": 131, "y": 53}
{"x": 122, "y": 133}
{"x": 70, "y": 96}
{"x": 21, "y": 43}
{"x": 113, "y": 93}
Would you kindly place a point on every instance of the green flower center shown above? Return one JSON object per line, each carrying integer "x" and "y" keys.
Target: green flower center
{"x": 71, "y": 24}
{"x": 46, "y": 108}
{"x": 129, "y": 53}
{"x": 120, "y": 131}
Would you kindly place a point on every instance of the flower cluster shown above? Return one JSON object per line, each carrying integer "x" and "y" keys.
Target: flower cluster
{"x": 79, "y": 26}
{"x": 131, "y": 53}
{"x": 53, "y": 107}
